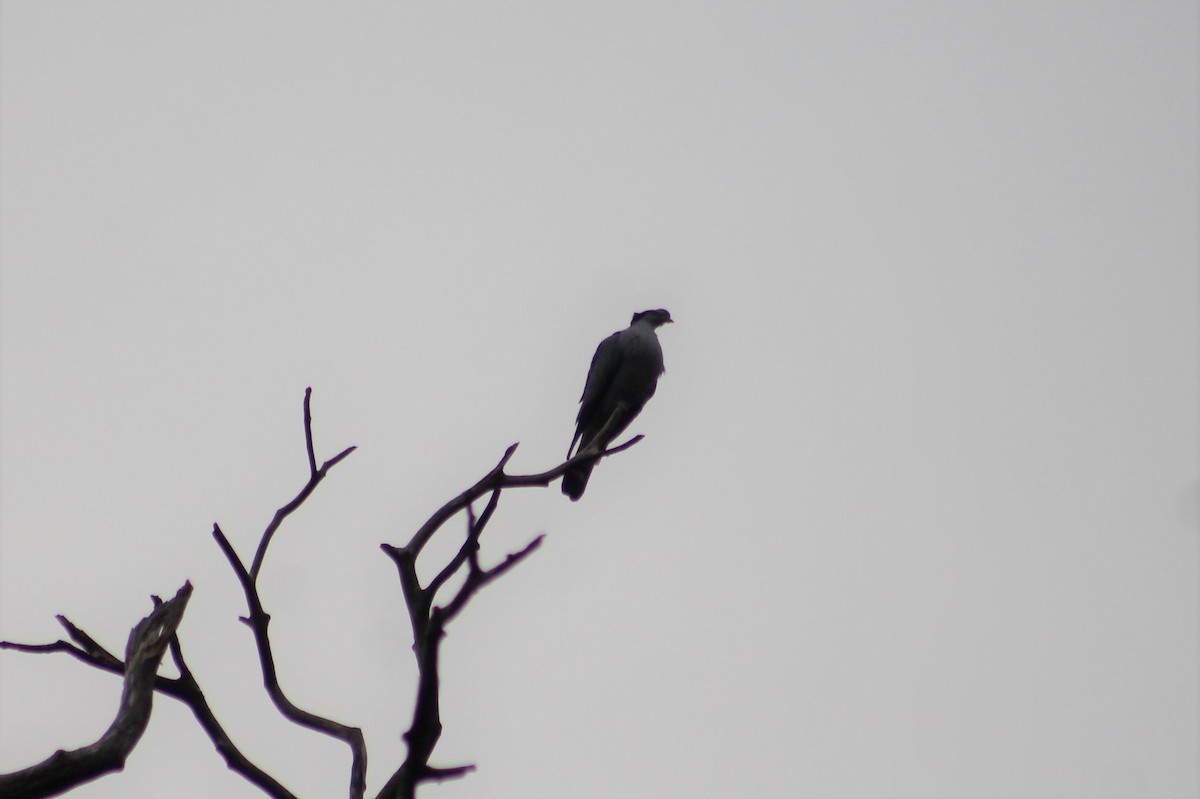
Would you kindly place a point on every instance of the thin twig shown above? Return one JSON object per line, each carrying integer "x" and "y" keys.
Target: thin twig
{"x": 86, "y": 642}
{"x": 314, "y": 479}
{"x": 470, "y": 546}
{"x": 308, "y": 441}
{"x": 451, "y": 773}
{"x": 164, "y": 685}
{"x": 477, "y": 578}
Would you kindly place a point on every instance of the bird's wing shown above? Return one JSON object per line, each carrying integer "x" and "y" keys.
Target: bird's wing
{"x": 605, "y": 365}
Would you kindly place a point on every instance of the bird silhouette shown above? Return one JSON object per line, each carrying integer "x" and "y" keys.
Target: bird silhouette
{"x": 621, "y": 380}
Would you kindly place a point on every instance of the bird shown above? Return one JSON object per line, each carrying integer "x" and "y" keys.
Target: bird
{"x": 621, "y": 380}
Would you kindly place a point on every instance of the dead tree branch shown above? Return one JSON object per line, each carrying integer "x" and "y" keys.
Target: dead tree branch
{"x": 188, "y": 691}
{"x": 183, "y": 688}
{"x": 154, "y": 635}
{"x": 64, "y": 770}
{"x": 315, "y": 477}
{"x": 259, "y": 620}
{"x": 428, "y": 621}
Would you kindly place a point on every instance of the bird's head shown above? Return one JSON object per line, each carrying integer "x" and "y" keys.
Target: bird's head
{"x": 657, "y": 318}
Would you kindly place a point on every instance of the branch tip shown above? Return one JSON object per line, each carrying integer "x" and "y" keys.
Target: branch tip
{"x": 508, "y": 453}
{"x": 435, "y": 774}
{"x": 336, "y": 459}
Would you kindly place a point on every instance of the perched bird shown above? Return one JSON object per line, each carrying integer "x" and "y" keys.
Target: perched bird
{"x": 621, "y": 380}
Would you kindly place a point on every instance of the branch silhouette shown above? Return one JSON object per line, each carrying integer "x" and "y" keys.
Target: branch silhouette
{"x": 63, "y": 771}
{"x": 259, "y": 620}
{"x": 428, "y": 621}
{"x": 156, "y": 634}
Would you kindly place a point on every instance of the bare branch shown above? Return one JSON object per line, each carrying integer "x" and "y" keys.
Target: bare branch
{"x": 231, "y": 555}
{"x": 86, "y": 649}
{"x": 335, "y": 460}
{"x": 164, "y": 685}
{"x": 488, "y": 510}
{"x": 496, "y": 479}
{"x": 87, "y": 643}
{"x": 57, "y": 646}
{"x": 470, "y": 547}
{"x": 308, "y": 442}
{"x": 315, "y": 477}
{"x": 184, "y": 689}
{"x": 259, "y": 621}
{"x": 429, "y": 621}
{"x": 416, "y": 599}
{"x": 190, "y": 694}
{"x": 442, "y": 774}
{"x": 64, "y": 770}
{"x": 477, "y": 578}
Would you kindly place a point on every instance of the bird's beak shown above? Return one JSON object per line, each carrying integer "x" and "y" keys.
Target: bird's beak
{"x": 669, "y": 321}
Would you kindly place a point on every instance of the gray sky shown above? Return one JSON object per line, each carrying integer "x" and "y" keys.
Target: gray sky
{"x": 916, "y": 514}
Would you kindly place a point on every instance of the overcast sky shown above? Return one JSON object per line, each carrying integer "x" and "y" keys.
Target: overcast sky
{"x": 916, "y": 511}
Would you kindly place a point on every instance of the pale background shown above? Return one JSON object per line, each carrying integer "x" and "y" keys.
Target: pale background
{"x": 916, "y": 511}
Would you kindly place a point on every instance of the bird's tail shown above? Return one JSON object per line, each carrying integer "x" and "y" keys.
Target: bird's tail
{"x": 575, "y": 479}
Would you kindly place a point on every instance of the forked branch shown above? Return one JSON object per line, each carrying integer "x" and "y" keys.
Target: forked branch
{"x": 154, "y": 635}
{"x": 64, "y": 770}
{"x": 259, "y": 620}
{"x": 183, "y": 688}
{"x": 429, "y": 620}
{"x": 315, "y": 476}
